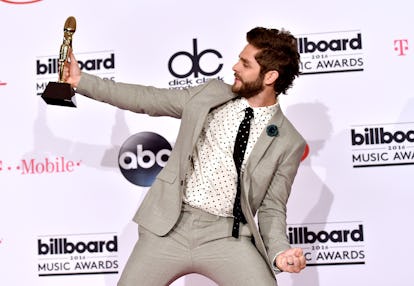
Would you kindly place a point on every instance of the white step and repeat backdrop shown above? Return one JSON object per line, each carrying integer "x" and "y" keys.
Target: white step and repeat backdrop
{"x": 72, "y": 178}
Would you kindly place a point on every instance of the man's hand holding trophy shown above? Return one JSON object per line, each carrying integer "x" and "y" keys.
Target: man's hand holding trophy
{"x": 61, "y": 93}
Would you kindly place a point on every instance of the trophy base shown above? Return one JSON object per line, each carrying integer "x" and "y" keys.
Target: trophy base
{"x": 59, "y": 93}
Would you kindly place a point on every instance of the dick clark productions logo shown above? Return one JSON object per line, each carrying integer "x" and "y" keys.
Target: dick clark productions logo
{"x": 205, "y": 63}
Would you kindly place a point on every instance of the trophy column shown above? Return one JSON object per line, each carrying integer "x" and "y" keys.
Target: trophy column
{"x": 61, "y": 93}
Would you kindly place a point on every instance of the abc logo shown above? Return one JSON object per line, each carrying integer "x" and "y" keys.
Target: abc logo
{"x": 142, "y": 157}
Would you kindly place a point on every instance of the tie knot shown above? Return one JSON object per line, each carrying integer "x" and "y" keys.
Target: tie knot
{"x": 249, "y": 114}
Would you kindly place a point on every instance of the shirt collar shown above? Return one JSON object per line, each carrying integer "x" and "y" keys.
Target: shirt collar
{"x": 242, "y": 104}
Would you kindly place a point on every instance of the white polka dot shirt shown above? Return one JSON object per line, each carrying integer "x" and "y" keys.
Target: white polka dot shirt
{"x": 211, "y": 181}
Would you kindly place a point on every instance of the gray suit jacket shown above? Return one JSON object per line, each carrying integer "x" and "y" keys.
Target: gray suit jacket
{"x": 266, "y": 181}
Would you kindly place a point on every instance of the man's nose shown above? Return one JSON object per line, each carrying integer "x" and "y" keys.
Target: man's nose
{"x": 235, "y": 67}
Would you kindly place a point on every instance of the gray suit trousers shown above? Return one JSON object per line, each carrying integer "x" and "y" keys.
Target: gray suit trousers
{"x": 199, "y": 243}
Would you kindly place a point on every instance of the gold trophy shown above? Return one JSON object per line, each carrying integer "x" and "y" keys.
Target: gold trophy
{"x": 61, "y": 93}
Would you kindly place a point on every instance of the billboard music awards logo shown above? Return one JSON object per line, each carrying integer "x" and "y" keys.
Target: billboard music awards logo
{"x": 98, "y": 63}
{"x": 331, "y": 52}
{"x": 142, "y": 157}
{"x": 331, "y": 243}
{"x": 192, "y": 68}
{"x": 77, "y": 254}
{"x": 381, "y": 145}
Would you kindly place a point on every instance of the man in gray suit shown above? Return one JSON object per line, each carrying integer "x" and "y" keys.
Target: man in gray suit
{"x": 198, "y": 216}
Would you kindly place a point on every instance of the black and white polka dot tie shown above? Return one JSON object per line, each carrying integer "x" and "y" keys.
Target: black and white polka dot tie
{"x": 238, "y": 156}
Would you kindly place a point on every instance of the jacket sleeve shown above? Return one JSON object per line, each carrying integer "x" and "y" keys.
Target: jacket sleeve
{"x": 272, "y": 212}
{"x": 137, "y": 98}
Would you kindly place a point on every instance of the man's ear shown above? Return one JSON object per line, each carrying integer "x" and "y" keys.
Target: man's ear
{"x": 270, "y": 77}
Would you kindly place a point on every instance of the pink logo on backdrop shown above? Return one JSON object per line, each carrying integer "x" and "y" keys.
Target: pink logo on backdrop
{"x": 20, "y": 2}
{"x": 401, "y": 46}
{"x": 34, "y": 166}
{"x": 2, "y": 83}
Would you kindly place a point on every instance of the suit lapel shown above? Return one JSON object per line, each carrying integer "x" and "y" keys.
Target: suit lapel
{"x": 208, "y": 103}
{"x": 263, "y": 143}
{"x": 255, "y": 156}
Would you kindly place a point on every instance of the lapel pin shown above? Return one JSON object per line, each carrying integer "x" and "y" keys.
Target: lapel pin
{"x": 272, "y": 130}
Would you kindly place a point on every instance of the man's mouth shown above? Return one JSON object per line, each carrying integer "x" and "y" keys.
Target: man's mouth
{"x": 236, "y": 78}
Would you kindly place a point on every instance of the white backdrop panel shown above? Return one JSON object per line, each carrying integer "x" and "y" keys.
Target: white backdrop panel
{"x": 89, "y": 199}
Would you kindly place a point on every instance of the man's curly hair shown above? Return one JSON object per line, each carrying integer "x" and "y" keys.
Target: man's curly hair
{"x": 278, "y": 51}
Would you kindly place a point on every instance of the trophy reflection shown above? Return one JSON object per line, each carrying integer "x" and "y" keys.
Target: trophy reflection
{"x": 61, "y": 93}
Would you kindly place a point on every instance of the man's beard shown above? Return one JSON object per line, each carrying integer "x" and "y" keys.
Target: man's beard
{"x": 250, "y": 88}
